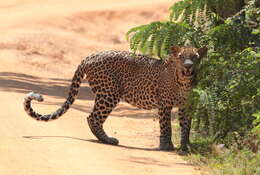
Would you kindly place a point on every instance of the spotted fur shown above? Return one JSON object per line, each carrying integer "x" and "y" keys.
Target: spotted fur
{"x": 140, "y": 80}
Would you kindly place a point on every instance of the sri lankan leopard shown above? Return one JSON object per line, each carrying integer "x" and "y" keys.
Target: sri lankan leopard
{"x": 140, "y": 80}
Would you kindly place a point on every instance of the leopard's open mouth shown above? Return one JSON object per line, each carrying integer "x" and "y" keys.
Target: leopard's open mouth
{"x": 187, "y": 72}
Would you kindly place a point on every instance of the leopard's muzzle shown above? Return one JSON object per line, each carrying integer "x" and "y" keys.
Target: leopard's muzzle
{"x": 187, "y": 68}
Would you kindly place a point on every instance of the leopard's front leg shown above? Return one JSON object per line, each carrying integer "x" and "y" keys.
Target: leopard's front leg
{"x": 165, "y": 129}
{"x": 185, "y": 124}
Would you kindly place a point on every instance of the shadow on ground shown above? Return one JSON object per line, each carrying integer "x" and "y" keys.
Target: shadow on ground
{"x": 58, "y": 88}
{"x": 23, "y": 83}
{"x": 90, "y": 140}
{"x": 134, "y": 159}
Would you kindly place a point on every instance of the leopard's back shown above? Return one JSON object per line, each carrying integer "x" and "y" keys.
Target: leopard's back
{"x": 134, "y": 76}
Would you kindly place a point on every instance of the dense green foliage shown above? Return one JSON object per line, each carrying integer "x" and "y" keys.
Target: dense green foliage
{"x": 225, "y": 161}
{"x": 236, "y": 163}
{"x": 226, "y": 99}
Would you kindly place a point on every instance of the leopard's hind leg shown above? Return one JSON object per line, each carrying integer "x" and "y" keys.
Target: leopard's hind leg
{"x": 104, "y": 104}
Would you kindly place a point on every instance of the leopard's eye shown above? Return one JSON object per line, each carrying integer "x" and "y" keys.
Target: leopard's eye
{"x": 194, "y": 57}
{"x": 181, "y": 56}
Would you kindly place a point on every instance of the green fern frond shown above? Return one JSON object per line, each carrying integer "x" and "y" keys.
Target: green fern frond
{"x": 188, "y": 10}
{"x": 159, "y": 40}
{"x": 168, "y": 40}
{"x": 150, "y": 44}
{"x": 156, "y": 38}
{"x": 177, "y": 10}
{"x": 197, "y": 12}
{"x": 134, "y": 29}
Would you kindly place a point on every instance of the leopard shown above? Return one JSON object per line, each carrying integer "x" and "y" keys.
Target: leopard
{"x": 138, "y": 79}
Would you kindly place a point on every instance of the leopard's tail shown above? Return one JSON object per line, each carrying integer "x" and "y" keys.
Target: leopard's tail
{"x": 73, "y": 92}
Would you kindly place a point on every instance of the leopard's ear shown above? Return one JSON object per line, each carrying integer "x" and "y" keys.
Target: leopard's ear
{"x": 202, "y": 51}
{"x": 175, "y": 50}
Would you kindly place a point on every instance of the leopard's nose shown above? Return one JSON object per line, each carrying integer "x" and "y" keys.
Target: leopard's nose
{"x": 188, "y": 63}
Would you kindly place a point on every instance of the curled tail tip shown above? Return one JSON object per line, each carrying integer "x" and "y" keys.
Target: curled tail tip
{"x": 34, "y": 96}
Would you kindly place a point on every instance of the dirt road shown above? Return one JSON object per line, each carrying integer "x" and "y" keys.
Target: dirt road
{"x": 41, "y": 44}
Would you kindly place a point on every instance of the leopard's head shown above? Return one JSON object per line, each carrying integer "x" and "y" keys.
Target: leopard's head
{"x": 187, "y": 58}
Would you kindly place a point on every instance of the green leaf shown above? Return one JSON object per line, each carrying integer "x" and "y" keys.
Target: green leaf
{"x": 157, "y": 37}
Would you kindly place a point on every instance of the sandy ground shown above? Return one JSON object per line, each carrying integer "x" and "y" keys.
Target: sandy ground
{"x": 41, "y": 44}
